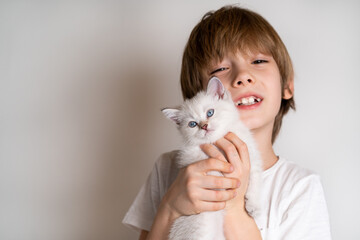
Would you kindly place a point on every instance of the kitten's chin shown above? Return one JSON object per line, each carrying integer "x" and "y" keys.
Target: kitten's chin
{"x": 204, "y": 137}
{"x": 211, "y": 136}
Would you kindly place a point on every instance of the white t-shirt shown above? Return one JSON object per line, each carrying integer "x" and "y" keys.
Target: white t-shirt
{"x": 294, "y": 203}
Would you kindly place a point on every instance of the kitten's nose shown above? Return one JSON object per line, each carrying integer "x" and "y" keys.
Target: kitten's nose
{"x": 204, "y": 126}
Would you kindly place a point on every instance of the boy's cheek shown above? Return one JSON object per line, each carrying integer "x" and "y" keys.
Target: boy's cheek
{"x": 251, "y": 122}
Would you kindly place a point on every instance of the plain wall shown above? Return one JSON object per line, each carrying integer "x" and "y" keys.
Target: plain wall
{"x": 81, "y": 88}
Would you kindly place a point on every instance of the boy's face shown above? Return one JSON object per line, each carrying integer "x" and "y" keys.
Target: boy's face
{"x": 254, "y": 83}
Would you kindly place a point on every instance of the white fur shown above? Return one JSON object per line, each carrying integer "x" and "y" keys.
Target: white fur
{"x": 209, "y": 225}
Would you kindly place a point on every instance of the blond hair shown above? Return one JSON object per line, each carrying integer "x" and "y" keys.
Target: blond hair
{"x": 233, "y": 29}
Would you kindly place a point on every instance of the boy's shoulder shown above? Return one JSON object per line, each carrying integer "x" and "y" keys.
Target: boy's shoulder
{"x": 167, "y": 159}
{"x": 290, "y": 176}
{"x": 295, "y": 169}
{"x": 166, "y": 168}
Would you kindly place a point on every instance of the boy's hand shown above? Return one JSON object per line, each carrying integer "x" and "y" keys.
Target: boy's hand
{"x": 236, "y": 153}
{"x": 192, "y": 191}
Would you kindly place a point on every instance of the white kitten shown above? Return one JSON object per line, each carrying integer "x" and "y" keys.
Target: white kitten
{"x": 205, "y": 118}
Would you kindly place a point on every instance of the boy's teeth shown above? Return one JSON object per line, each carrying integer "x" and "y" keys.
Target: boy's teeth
{"x": 248, "y": 101}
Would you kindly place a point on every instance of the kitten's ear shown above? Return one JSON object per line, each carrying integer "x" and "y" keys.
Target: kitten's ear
{"x": 172, "y": 114}
{"x": 215, "y": 88}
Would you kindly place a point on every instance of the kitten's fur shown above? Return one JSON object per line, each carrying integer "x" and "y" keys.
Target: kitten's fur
{"x": 209, "y": 225}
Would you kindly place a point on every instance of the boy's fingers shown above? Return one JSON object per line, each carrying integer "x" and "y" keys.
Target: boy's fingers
{"x": 213, "y": 164}
{"x": 206, "y": 206}
{"x": 230, "y": 150}
{"x": 216, "y": 195}
{"x": 214, "y": 182}
{"x": 240, "y": 146}
{"x": 212, "y": 151}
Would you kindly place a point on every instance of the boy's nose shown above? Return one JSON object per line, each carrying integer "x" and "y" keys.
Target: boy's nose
{"x": 243, "y": 82}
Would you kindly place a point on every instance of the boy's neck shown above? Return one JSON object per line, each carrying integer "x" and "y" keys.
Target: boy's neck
{"x": 264, "y": 144}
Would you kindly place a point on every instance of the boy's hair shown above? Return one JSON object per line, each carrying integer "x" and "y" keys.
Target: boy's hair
{"x": 232, "y": 29}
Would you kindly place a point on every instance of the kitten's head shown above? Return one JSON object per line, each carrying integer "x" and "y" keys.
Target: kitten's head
{"x": 205, "y": 117}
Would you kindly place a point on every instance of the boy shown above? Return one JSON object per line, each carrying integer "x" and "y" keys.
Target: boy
{"x": 243, "y": 50}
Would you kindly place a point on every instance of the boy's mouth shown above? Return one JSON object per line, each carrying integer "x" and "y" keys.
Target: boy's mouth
{"x": 247, "y": 101}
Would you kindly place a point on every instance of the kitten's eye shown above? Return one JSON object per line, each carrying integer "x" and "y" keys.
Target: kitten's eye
{"x": 210, "y": 113}
{"x": 259, "y": 61}
{"x": 192, "y": 124}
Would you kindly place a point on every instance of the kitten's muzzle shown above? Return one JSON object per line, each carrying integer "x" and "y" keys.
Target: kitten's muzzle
{"x": 204, "y": 126}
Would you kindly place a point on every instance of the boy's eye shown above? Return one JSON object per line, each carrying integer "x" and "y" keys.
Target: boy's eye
{"x": 210, "y": 113}
{"x": 219, "y": 70}
{"x": 259, "y": 61}
{"x": 192, "y": 124}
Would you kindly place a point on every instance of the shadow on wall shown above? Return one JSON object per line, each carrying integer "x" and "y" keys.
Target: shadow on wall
{"x": 125, "y": 153}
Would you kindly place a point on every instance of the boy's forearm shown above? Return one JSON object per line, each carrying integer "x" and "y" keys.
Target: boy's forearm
{"x": 239, "y": 225}
{"x": 162, "y": 223}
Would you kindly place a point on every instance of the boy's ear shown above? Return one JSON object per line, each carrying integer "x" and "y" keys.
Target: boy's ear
{"x": 289, "y": 89}
{"x": 172, "y": 114}
{"x": 215, "y": 88}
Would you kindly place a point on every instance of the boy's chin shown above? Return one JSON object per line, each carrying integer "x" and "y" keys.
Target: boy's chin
{"x": 251, "y": 124}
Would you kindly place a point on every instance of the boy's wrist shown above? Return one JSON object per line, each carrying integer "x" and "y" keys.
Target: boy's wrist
{"x": 238, "y": 224}
{"x": 167, "y": 211}
{"x": 237, "y": 211}
{"x": 164, "y": 218}
{"x": 236, "y": 205}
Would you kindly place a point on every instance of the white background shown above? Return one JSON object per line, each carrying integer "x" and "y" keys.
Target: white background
{"x": 82, "y": 85}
